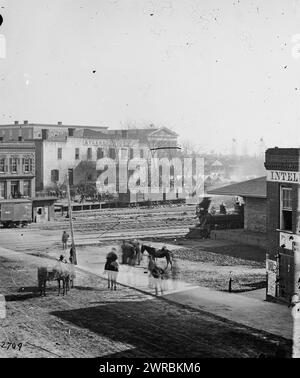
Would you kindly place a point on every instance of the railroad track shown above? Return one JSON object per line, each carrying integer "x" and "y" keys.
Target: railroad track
{"x": 95, "y": 228}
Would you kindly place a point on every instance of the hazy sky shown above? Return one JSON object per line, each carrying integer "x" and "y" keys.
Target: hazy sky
{"x": 212, "y": 70}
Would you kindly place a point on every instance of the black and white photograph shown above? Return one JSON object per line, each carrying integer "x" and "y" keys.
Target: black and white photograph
{"x": 150, "y": 182}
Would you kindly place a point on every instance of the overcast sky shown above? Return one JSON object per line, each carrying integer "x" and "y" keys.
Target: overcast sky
{"x": 211, "y": 70}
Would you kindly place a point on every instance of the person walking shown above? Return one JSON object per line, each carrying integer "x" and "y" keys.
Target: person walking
{"x": 64, "y": 239}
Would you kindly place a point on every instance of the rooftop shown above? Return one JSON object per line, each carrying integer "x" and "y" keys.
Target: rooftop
{"x": 47, "y": 125}
{"x": 251, "y": 188}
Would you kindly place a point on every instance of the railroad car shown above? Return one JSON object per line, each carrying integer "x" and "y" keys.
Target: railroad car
{"x": 15, "y": 212}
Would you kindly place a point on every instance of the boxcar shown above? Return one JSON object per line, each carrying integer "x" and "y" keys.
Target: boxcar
{"x": 15, "y": 212}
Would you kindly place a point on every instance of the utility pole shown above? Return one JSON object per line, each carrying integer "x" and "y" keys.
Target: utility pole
{"x": 74, "y": 260}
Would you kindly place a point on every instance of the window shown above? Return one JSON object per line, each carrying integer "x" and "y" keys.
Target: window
{"x": 2, "y": 189}
{"x": 112, "y": 153}
{"x": 14, "y": 189}
{"x": 2, "y": 165}
{"x": 59, "y": 153}
{"x": 27, "y": 164}
{"x": 124, "y": 133}
{"x": 76, "y": 153}
{"x": 54, "y": 175}
{"x": 89, "y": 153}
{"x": 286, "y": 198}
{"x": 131, "y": 153}
{"x": 13, "y": 164}
{"x": 26, "y": 188}
{"x": 100, "y": 153}
{"x": 142, "y": 154}
{"x": 286, "y": 221}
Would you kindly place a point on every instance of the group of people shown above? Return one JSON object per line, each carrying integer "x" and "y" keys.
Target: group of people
{"x": 157, "y": 275}
{"x": 111, "y": 267}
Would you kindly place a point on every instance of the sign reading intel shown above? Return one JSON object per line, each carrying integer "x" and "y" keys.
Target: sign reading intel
{"x": 284, "y": 176}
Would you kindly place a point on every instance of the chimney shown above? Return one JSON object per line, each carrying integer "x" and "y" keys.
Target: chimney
{"x": 26, "y": 122}
{"x": 16, "y": 122}
{"x": 70, "y": 132}
{"x": 59, "y": 123}
{"x": 44, "y": 134}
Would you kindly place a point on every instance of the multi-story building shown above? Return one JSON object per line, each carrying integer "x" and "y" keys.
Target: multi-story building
{"x": 74, "y": 150}
{"x": 17, "y": 169}
{"x": 38, "y": 131}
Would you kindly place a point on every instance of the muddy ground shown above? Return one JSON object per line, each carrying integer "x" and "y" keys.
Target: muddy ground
{"x": 92, "y": 321}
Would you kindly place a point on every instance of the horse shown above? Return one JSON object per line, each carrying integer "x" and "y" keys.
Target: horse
{"x": 59, "y": 274}
{"x": 158, "y": 253}
{"x": 130, "y": 253}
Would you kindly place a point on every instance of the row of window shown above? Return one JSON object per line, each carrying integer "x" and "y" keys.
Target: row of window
{"x": 15, "y": 191}
{"x": 11, "y": 165}
{"x": 100, "y": 153}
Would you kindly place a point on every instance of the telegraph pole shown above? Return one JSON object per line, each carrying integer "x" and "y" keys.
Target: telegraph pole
{"x": 74, "y": 260}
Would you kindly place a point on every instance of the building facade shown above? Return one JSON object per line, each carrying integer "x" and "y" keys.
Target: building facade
{"x": 70, "y": 150}
{"x": 283, "y": 221}
{"x": 17, "y": 170}
{"x": 76, "y": 155}
{"x": 38, "y": 131}
{"x": 283, "y": 212}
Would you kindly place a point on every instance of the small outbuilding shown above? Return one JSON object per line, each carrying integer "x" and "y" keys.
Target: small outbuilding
{"x": 254, "y": 194}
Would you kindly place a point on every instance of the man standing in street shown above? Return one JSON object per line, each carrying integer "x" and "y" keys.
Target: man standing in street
{"x": 64, "y": 240}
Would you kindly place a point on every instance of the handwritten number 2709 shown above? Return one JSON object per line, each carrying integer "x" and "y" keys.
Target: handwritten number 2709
{"x": 7, "y": 345}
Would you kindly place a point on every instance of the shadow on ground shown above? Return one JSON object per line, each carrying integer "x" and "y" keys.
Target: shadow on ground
{"x": 154, "y": 331}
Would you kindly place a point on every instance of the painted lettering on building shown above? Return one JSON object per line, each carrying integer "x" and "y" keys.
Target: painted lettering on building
{"x": 284, "y": 176}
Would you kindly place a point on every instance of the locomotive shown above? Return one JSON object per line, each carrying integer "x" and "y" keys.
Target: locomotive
{"x": 217, "y": 221}
{"x": 15, "y": 212}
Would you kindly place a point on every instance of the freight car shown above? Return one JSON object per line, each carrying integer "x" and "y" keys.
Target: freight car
{"x": 15, "y": 212}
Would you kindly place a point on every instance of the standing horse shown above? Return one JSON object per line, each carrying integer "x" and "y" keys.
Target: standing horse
{"x": 59, "y": 273}
{"x": 130, "y": 253}
{"x": 158, "y": 253}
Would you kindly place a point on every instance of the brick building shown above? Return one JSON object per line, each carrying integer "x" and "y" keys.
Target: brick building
{"x": 254, "y": 196}
{"x": 17, "y": 170}
{"x": 283, "y": 219}
{"x": 272, "y": 207}
{"x": 73, "y": 150}
{"x": 283, "y": 212}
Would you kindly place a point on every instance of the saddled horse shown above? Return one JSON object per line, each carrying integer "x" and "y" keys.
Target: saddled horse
{"x": 130, "y": 253}
{"x": 158, "y": 253}
{"x": 60, "y": 274}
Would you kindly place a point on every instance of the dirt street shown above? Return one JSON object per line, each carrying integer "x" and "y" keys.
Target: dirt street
{"x": 92, "y": 321}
